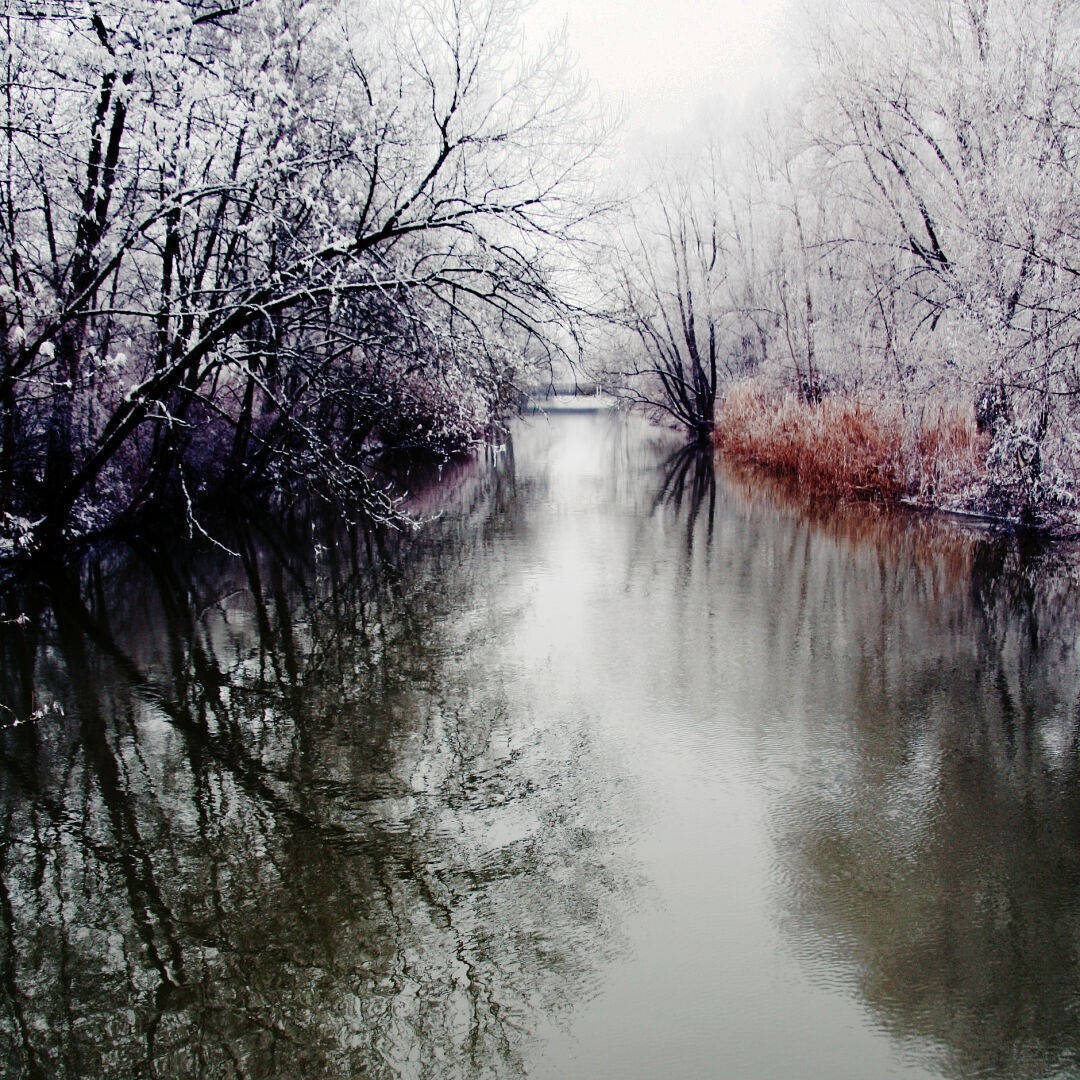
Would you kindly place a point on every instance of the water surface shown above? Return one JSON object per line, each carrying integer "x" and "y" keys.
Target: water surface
{"x": 623, "y": 766}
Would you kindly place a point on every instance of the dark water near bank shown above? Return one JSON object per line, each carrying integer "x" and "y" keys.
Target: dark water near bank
{"x": 619, "y": 768}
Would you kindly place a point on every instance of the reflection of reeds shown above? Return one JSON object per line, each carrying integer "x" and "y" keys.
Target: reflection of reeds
{"x": 944, "y": 548}
{"x": 852, "y": 447}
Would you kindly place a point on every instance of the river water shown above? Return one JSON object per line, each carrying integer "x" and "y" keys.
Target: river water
{"x": 622, "y": 766}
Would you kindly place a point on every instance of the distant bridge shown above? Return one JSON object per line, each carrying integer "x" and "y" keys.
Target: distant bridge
{"x": 568, "y": 397}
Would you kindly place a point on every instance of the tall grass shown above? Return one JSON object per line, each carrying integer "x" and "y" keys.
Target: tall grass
{"x": 855, "y": 448}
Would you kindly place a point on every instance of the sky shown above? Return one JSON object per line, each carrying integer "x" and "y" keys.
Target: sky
{"x": 669, "y": 64}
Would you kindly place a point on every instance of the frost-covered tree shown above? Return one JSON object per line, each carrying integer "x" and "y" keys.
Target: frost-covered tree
{"x": 953, "y": 125}
{"x": 906, "y": 231}
{"x": 250, "y": 241}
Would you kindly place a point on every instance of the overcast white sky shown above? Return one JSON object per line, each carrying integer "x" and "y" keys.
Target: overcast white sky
{"x": 668, "y": 63}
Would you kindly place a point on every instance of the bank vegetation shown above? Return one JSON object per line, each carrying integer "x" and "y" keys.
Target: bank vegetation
{"x": 878, "y": 287}
{"x": 247, "y": 245}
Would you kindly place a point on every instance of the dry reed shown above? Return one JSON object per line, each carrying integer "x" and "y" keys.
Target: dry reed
{"x": 852, "y": 447}
{"x": 949, "y": 457}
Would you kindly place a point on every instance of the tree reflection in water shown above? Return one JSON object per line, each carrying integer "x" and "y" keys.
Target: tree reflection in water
{"x": 929, "y": 849}
{"x": 284, "y": 828}
{"x": 688, "y": 487}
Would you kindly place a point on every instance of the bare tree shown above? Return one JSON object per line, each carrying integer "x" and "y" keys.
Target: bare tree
{"x": 219, "y": 218}
{"x": 671, "y": 277}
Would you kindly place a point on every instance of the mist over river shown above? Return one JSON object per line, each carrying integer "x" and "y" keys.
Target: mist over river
{"x": 626, "y": 764}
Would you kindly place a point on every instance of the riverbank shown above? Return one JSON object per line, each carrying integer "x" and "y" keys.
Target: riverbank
{"x": 857, "y": 447}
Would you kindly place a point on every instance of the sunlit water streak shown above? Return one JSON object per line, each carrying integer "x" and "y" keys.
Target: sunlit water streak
{"x": 622, "y": 767}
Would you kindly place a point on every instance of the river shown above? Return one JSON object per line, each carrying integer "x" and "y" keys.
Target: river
{"x": 623, "y": 765}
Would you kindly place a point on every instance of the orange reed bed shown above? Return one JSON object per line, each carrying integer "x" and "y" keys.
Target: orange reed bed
{"x": 854, "y": 448}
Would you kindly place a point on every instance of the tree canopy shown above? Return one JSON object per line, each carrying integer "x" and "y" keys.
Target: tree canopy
{"x": 247, "y": 243}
